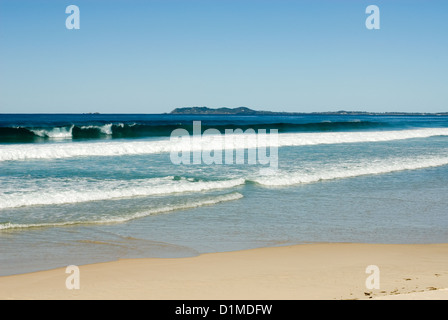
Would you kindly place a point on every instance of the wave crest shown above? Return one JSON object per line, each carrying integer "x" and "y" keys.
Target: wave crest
{"x": 125, "y": 218}
{"x": 53, "y": 192}
{"x": 342, "y": 171}
{"x": 120, "y": 148}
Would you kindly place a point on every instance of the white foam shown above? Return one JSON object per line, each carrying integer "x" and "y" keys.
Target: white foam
{"x": 189, "y": 205}
{"x": 54, "y": 133}
{"x": 80, "y": 149}
{"x": 54, "y": 191}
{"x": 302, "y": 139}
{"x": 104, "y": 129}
{"x": 120, "y": 219}
{"x": 341, "y": 171}
{"x": 119, "y": 148}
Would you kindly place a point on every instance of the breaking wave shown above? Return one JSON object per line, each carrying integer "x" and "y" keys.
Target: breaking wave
{"x": 343, "y": 171}
{"x": 19, "y": 133}
{"x": 138, "y": 147}
{"x": 55, "y": 191}
{"x": 131, "y": 216}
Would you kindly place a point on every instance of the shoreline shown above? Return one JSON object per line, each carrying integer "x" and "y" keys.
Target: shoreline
{"x": 292, "y": 272}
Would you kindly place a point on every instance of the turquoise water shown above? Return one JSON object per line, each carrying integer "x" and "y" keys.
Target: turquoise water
{"x": 79, "y": 189}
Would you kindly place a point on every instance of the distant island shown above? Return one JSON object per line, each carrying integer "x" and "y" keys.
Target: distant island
{"x": 205, "y": 110}
{"x": 246, "y": 111}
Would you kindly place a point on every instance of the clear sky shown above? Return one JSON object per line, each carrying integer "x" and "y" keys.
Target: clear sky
{"x": 282, "y": 55}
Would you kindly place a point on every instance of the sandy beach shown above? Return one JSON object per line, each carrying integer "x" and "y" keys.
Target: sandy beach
{"x": 308, "y": 271}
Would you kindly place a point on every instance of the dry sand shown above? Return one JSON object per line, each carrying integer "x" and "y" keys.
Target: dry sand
{"x": 308, "y": 271}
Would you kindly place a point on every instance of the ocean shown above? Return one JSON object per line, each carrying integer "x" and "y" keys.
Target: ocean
{"x": 86, "y": 188}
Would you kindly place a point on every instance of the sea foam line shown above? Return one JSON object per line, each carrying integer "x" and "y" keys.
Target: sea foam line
{"x": 343, "y": 171}
{"x": 53, "y": 193}
{"x": 120, "y": 148}
{"x": 188, "y": 205}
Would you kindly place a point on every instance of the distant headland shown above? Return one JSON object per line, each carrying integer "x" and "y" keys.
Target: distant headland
{"x": 246, "y": 111}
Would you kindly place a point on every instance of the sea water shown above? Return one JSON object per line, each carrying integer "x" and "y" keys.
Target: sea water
{"x": 79, "y": 189}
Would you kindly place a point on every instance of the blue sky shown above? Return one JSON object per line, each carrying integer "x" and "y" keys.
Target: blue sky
{"x": 282, "y": 55}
